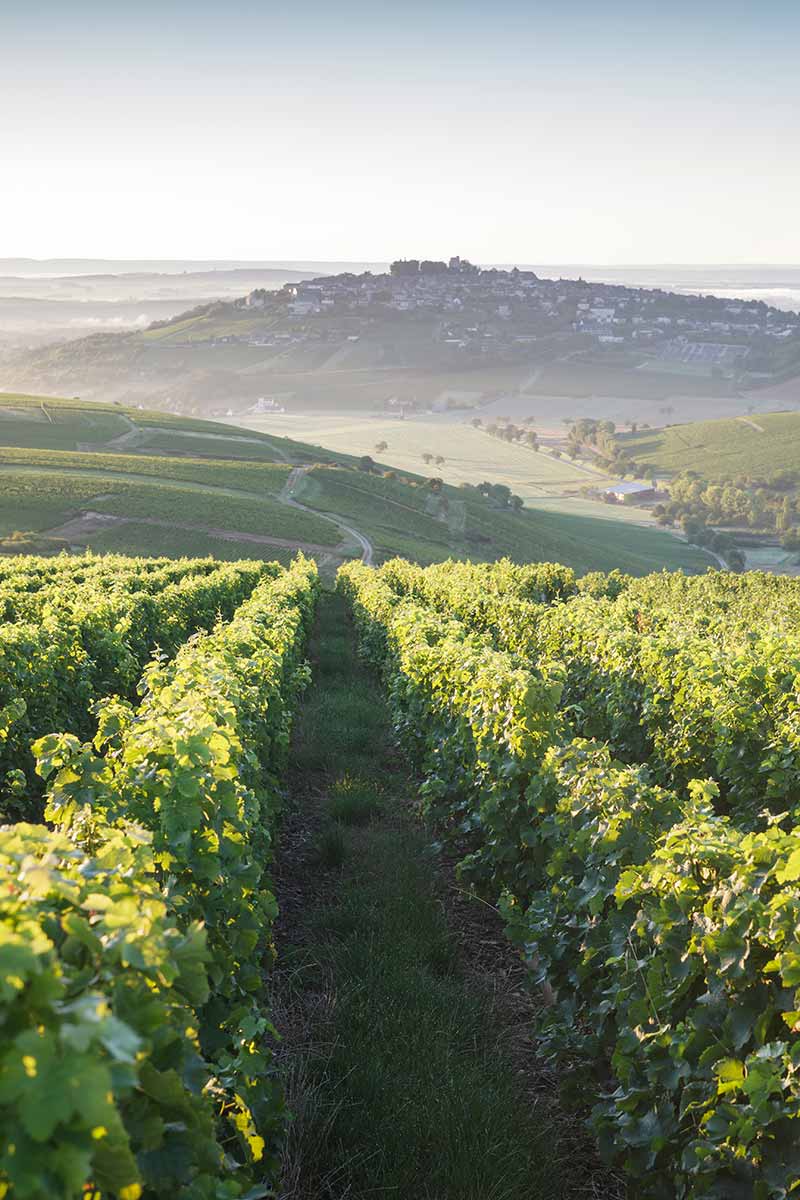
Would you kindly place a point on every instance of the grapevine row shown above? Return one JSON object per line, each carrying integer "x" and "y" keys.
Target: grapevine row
{"x": 37, "y": 583}
{"x": 135, "y": 1052}
{"x": 664, "y": 934}
{"x": 669, "y": 673}
{"x": 94, "y": 642}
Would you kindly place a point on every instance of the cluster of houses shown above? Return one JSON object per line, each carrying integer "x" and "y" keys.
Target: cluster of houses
{"x": 481, "y": 311}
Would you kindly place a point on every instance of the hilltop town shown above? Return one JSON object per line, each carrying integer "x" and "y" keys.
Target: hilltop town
{"x": 502, "y": 315}
{"x": 427, "y": 334}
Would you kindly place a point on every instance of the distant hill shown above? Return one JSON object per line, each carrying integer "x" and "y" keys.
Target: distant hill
{"x": 125, "y": 266}
{"x": 419, "y": 337}
{"x": 38, "y": 307}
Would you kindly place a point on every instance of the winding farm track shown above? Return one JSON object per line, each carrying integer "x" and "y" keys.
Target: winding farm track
{"x": 286, "y": 496}
{"x": 753, "y": 424}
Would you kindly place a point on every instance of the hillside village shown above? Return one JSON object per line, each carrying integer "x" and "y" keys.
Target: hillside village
{"x": 486, "y": 313}
{"x": 427, "y": 334}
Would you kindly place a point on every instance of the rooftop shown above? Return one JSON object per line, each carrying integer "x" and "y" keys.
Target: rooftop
{"x": 630, "y": 489}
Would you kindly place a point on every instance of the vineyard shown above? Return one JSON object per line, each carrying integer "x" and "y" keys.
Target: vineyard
{"x": 618, "y": 762}
{"x": 612, "y": 763}
{"x": 136, "y": 922}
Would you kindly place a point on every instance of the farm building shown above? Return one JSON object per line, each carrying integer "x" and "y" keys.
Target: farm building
{"x": 619, "y": 493}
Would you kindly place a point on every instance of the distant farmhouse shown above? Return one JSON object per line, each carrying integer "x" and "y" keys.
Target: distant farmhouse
{"x": 619, "y": 493}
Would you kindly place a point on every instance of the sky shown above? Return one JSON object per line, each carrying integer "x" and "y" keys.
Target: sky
{"x": 598, "y": 131}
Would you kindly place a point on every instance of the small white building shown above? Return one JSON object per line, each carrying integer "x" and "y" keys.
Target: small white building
{"x": 622, "y": 493}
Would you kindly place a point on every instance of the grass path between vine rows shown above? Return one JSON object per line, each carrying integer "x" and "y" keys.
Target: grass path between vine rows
{"x": 404, "y": 1020}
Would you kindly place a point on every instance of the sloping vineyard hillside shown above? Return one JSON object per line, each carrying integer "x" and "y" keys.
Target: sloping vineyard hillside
{"x": 136, "y": 923}
{"x": 235, "y": 964}
{"x": 617, "y": 762}
{"x": 77, "y": 629}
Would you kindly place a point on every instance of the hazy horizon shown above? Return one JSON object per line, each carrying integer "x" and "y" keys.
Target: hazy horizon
{"x": 232, "y": 263}
{"x": 775, "y": 284}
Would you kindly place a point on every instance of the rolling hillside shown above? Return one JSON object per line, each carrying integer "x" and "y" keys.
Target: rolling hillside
{"x": 757, "y": 445}
{"x": 76, "y": 475}
{"x": 399, "y": 520}
{"x": 79, "y": 475}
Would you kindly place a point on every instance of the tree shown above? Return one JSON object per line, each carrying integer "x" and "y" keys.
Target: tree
{"x": 405, "y": 266}
{"x": 692, "y": 527}
{"x": 500, "y": 493}
{"x": 427, "y": 458}
{"x": 786, "y": 515}
{"x": 380, "y": 447}
{"x": 365, "y": 463}
{"x": 516, "y": 503}
{"x": 476, "y": 422}
{"x": 439, "y": 460}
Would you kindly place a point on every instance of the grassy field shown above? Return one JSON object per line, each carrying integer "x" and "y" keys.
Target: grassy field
{"x": 469, "y": 454}
{"x": 758, "y": 445}
{"x": 30, "y": 513}
{"x": 66, "y": 431}
{"x": 177, "y": 442}
{"x": 579, "y": 379}
{"x": 61, "y": 424}
{"x": 546, "y": 483}
{"x": 46, "y": 483}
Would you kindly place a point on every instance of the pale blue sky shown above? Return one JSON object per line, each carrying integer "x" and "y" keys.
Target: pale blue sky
{"x": 613, "y": 132}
